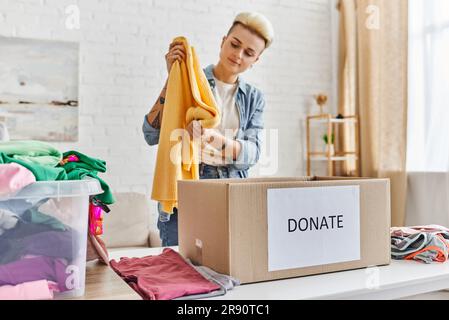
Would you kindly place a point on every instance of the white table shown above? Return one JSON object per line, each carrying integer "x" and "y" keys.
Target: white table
{"x": 398, "y": 280}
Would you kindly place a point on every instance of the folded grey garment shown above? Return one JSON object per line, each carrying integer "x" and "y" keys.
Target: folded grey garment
{"x": 404, "y": 246}
{"x": 225, "y": 282}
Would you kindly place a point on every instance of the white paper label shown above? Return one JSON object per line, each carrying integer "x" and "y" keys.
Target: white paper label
{"x": 312, "y": 226}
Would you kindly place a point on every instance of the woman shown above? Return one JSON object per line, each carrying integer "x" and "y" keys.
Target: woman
{"x": 230, "y": 149}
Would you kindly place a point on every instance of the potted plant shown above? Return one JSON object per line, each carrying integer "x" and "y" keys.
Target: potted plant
{"x": 329, "y": 144}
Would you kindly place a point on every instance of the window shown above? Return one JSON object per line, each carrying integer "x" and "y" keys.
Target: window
{"x": 428, "y": 120}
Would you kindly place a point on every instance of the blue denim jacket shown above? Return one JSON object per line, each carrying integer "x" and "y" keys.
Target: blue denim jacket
{"x": 250, "y": 104}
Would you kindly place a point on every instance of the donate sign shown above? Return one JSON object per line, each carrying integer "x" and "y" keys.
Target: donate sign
{"x": 313, "y": 226}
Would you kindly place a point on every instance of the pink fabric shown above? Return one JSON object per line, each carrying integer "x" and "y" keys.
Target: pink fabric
{"x": 14, "y": 177}
{"x": 95, "y": 220}
{"x": 34, "y": 290}
{"x": 163, "y": 277}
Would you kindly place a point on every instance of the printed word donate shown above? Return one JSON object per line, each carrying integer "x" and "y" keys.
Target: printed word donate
{"x": 315, "y": 223}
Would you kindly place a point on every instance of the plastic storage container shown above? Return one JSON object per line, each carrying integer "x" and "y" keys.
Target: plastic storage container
{"x": 44, "y": 235}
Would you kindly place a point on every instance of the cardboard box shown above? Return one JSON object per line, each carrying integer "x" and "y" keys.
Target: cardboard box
{"x": 274, "y": 228}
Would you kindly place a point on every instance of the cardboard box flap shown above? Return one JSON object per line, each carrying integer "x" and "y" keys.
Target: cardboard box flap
{"x": 277, "y": 180}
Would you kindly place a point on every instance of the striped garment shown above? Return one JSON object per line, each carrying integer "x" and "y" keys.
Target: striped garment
{"x": 422, "y": 243}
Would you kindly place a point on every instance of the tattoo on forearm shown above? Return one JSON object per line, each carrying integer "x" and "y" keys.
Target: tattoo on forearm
{"x": 156, "y": 113}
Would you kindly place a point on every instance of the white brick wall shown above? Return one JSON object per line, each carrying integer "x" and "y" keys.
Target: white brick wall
{"x": 122, "y": 68}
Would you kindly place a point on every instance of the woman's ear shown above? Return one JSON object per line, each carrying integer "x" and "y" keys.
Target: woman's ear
{"x": 257, "y": 59}
{"x": 222, "y": 41}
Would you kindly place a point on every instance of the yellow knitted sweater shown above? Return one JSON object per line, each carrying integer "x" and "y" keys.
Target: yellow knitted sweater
{"x": 188, "y": 97}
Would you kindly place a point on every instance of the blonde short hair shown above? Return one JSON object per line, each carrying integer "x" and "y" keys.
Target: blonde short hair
{"x": 257, "y": 23}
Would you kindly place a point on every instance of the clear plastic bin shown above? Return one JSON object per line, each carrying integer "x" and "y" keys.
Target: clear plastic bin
{"x": 49, "y": 239}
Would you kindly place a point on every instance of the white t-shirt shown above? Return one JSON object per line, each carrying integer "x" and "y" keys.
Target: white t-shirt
{"x": 224, "y": 94}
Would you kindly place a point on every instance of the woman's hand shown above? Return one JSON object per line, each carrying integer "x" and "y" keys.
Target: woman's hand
{"x": 195, "y": 129}
{"x": 204, "y": 136}
{"x": 230, "y": 148}
{"x": 176, "y": 52}
{"x": 211, "y": 137}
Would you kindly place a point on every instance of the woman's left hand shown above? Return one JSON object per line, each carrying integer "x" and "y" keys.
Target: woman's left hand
{"x": 194, "y": 129}
{"x": 212, "y": 137}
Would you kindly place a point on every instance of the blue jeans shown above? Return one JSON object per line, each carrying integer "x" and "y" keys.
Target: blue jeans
{"x": 168, "y": 223}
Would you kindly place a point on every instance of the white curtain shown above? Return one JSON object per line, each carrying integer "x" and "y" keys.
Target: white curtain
{"x": 428, "y": 113}
{"x": 428, "y": 120}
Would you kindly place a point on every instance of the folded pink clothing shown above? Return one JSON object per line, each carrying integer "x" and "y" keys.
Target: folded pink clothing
{"x": 163, "y": 277}
{"x": 34, "y": 290}
{"x": 14, "y": 177}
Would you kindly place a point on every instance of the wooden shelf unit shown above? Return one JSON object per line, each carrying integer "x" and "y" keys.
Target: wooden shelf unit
{"x": 332, "y": 123}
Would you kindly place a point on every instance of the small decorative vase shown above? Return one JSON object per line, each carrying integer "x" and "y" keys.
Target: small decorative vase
{"x": 330, "y": 149}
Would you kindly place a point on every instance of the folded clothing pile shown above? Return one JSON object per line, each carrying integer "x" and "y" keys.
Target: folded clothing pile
{"x": 169, "y": 276}
{"x": 36, "y": 248}
{"x": 421, "y": 243}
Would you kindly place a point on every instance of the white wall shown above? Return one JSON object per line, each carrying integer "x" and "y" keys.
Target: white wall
{"x": 122, "y": 68}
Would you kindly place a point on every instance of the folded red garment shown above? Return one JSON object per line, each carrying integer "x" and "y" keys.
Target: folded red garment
{"x": 163, "y": 277}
